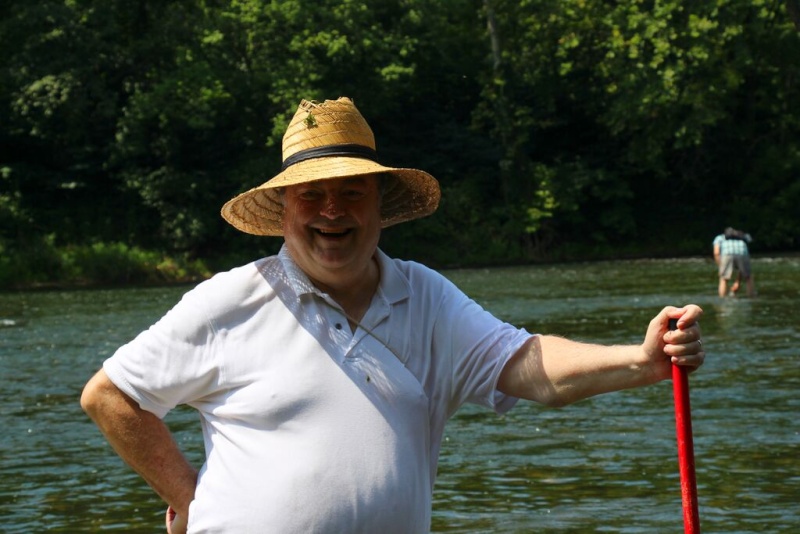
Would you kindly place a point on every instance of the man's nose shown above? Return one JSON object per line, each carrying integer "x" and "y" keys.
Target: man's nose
{"x": 332, "y": 207}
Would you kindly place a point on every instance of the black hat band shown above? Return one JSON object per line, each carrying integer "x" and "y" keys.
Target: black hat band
{"x": 354, "y": 151}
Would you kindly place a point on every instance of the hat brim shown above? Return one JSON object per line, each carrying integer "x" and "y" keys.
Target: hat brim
{"x": 409, "y": 194}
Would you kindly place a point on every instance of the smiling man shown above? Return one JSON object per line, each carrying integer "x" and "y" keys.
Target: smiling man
{"x": 324, "y": 376}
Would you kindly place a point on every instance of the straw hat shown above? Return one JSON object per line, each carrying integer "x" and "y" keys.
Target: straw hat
{"x": 326, "y": 141}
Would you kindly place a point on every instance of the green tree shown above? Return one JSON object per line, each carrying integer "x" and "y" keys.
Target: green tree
{"x": 628, "y": 117}
{"x": 557, "y": 128}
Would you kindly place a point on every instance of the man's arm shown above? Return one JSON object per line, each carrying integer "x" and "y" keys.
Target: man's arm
{"x": 143, "y": 441}
{"x": 556, "y": 371}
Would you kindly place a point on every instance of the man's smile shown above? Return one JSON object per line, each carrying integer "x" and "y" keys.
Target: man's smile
{"x": 333, "y": 233}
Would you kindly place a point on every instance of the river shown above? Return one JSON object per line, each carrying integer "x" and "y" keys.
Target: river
{"x": 607, "y": 464}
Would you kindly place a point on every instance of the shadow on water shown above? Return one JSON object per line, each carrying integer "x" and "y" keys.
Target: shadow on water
{"x": 607, "y": 464}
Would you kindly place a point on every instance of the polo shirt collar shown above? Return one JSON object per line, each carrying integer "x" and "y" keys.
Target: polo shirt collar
{"x": 394, "y": 285}
{"x": 298, "y": 280}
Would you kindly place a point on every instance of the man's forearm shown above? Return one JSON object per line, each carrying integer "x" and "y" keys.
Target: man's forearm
{"x": 582, "y": 370}
{"x": 142, "y": 440}
{"x": 556, "y": 371}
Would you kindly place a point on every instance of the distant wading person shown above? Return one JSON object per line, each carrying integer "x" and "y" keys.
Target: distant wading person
{"x": 324, "y": 375}
{"x": 731, "y": 254}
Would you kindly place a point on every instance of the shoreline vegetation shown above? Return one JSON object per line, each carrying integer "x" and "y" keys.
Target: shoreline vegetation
{"x": 120, "y": 265}
{"x": 116, "y": 264}
{"x": 97, "y": 265}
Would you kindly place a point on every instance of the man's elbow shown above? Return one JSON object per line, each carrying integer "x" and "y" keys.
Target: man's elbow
{"x": 89, "y": 398}
{"x": 544, "y": 393}
{"x": 554, "y": 399}
{"x": 525, "y": 377}
{"x": 96, "y": 393}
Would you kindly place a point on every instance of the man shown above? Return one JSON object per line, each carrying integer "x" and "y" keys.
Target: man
{"x": 731, "y": 253}
{"x": 324, "y": 376}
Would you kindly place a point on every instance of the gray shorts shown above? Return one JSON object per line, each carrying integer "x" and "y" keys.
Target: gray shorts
{"x": 728, "y": 262}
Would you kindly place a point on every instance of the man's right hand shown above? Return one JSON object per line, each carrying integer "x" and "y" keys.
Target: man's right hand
{"x": 176, "y": 524}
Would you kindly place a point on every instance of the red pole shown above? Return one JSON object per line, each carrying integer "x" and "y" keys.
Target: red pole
{"x": 683, "y": 427}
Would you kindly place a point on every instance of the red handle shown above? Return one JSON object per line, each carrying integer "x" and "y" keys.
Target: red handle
{"x": 683, "y": 427}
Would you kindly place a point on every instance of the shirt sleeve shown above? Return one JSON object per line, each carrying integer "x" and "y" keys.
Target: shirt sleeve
{"x": 170, "y": 363}
{"x": 480, "y": 345}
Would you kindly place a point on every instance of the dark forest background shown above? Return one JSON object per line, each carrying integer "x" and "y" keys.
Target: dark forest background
{"x": 558, "y": 129}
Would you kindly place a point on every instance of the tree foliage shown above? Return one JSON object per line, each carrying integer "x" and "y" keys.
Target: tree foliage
{"x": 557, "y": 128}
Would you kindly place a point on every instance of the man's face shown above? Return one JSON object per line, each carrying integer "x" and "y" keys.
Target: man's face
{"x": 332, "y": 227}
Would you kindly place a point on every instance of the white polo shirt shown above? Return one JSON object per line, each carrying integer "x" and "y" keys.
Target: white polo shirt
{"x": 307, "y": 426}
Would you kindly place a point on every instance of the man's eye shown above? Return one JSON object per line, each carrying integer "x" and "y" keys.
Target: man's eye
{"x": 308, "y": 195}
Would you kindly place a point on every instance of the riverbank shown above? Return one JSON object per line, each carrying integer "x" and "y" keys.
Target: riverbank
{"x": 118, "y": 265}
{"x": 98, "y": 265}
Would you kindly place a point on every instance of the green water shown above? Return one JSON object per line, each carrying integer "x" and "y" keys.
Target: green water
{"x": 607, "y": 464}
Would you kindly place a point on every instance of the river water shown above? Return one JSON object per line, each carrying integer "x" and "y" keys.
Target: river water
{"x": 607, "y": 464}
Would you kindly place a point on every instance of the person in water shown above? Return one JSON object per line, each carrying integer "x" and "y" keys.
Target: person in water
{"x": 732, "y": 255}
